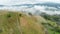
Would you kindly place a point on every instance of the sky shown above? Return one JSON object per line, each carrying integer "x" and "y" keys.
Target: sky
{"x": 14, "y": 2}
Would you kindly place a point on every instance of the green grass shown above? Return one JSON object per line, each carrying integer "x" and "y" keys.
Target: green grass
{"x": 49, "y": 25}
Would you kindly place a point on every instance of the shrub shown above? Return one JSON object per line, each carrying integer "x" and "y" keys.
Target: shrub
{"x": 30, "y": 13}
{"x": 20, "y": 15}
{"x": 8, "y": 15}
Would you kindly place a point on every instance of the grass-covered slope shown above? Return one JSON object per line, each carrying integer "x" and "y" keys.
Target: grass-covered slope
{"x": 19, "y": 23}
{"x": 53, "y": 23}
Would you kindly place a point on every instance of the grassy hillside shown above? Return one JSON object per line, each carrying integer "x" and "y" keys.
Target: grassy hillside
{"x": 20, "y": 23}
{"x": 52, "y": 24}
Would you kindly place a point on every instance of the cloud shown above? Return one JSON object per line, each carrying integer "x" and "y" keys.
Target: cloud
{"x": 57, "y": 1}
{"x": 11, "y": 2}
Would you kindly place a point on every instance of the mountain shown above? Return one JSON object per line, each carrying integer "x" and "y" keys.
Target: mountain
{"x": 49, "y": 4}
{"x": 2, "y": 5}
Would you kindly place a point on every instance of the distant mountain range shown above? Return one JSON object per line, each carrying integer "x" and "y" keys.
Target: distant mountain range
{"x": 48, "y": 4}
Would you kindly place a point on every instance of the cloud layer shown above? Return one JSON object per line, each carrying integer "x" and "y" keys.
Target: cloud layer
{"x": 11, "y": 2}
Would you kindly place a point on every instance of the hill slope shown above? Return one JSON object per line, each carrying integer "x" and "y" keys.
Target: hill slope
{"x": 19, "y": 23}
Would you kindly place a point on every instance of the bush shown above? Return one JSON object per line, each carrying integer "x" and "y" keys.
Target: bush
{"x": 8, "y": 15}
{"x": 20, "y": 14}
{"x": 30, "y": 13}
